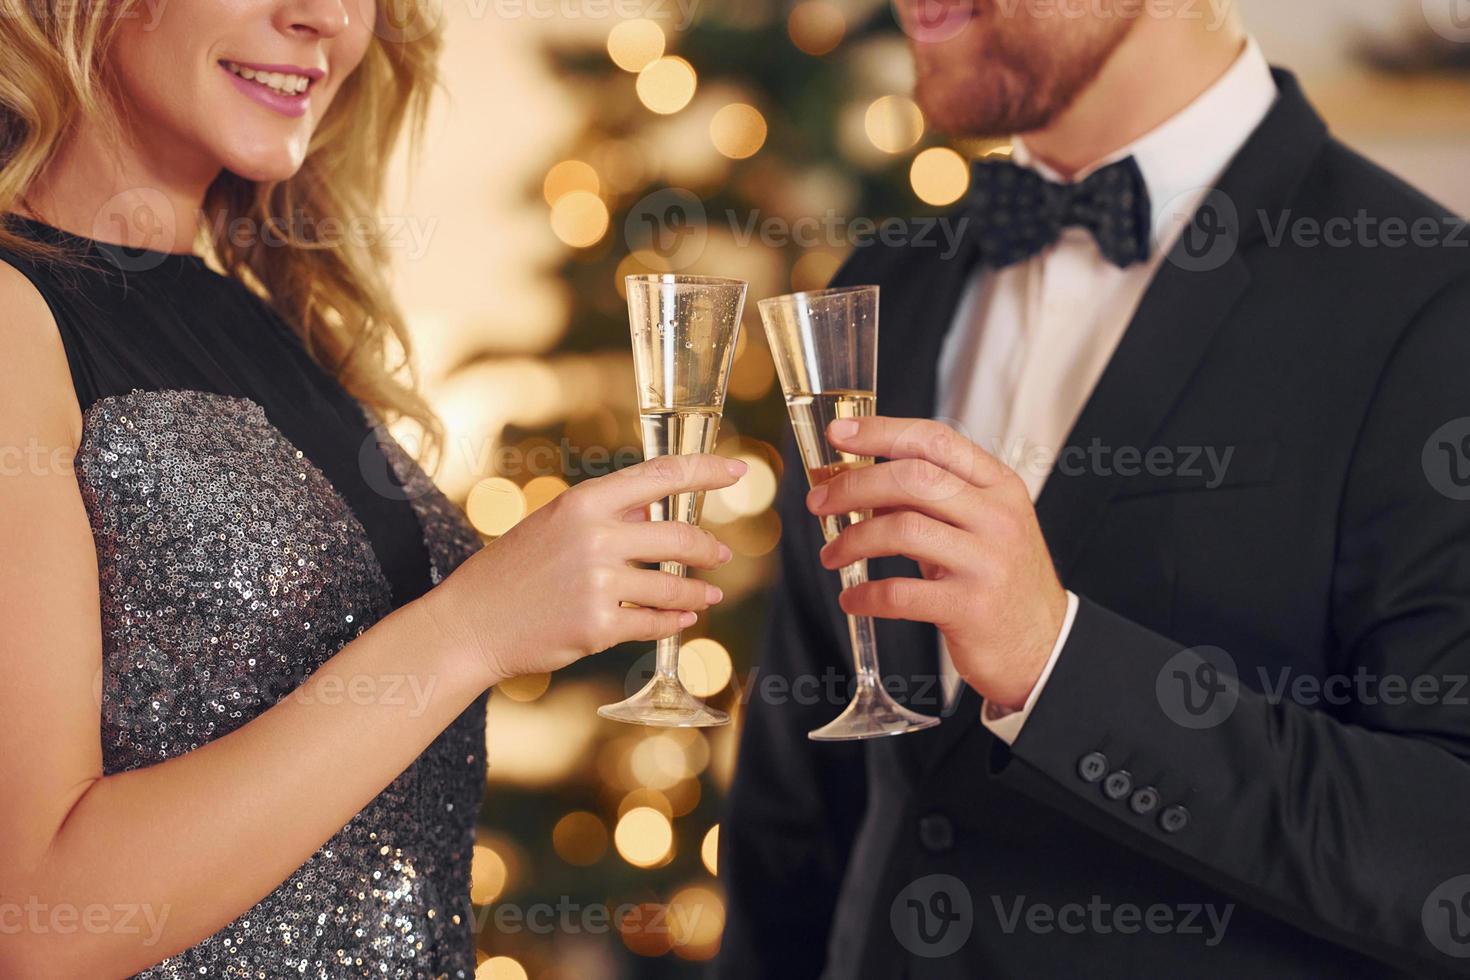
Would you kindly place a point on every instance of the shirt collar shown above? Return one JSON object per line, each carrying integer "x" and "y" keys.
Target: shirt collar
{"x": 1191, "y": 149}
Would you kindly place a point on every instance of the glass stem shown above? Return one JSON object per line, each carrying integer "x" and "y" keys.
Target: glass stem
{"x": 666, "y": 661}
{"x": 860, "y": 628}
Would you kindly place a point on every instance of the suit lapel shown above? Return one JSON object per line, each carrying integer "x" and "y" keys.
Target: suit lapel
{"x": 1190, "y": 299}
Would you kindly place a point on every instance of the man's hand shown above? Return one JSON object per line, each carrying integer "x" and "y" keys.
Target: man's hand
{"x": 967, "y": 519}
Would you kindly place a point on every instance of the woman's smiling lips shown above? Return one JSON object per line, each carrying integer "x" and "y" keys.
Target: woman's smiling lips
{"x": 284, "y": 88}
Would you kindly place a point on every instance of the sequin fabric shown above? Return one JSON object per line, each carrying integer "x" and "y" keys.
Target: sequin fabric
{"x": 230, "y": 569}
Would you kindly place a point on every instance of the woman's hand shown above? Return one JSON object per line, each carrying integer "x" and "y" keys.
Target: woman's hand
{"x": 551, "y": 591}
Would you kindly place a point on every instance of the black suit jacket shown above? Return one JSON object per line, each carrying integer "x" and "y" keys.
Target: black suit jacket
{"x": 1288, "y": 833}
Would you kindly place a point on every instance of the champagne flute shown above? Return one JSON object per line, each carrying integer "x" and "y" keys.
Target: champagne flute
{"x": 684, "y": 330}
{"x": 825, "y": 344}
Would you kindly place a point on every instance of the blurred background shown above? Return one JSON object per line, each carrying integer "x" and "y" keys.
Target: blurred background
{"x": 577, "y": 141}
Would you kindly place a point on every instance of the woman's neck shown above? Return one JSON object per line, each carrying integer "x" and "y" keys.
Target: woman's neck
{"x": 114, "y": 191}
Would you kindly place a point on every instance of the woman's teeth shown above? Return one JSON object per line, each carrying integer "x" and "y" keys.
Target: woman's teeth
{"x": 284, "y": 83}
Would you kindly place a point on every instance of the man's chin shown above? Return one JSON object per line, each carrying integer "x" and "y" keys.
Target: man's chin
{"x": 957, "y": 111}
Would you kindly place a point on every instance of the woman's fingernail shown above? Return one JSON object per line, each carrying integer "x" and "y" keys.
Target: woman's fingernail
{"x": 687, "y": 619}
{"x": 735, "y": 466}
{"x": 818, "y": 496}
{"x": 713, "y": 594}
{"x": 843, "y": 428}
{"x": 725, "y": 553}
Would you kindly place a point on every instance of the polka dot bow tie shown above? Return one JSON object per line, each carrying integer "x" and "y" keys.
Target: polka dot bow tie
{"x": 1015, "y": 212}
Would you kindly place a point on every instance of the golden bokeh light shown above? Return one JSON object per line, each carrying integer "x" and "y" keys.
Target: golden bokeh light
{"x": 620, "y": 162}
{"x": 568, "y": 176}
{"x": 645, "y": 797}
{"x": 738, "y": 130}
{"x": 645, "y": 930}
{"x": 495, "y": 504}
{"x": 683, "y": 796}
{"x": 580, "y": 838}
{"x": 579, "y": 218}
{"x": 612, "y": 763}
{"x": 704, "y": 666}
{"x": 488, "y": 874}
{"x": 659, "y": 762}
{"x": 525, "y": 687}
{"x": 639, "y": 262}
{"x": 816, "y": 26}
{"x": 893, "y": 123}
{"x": 814, "y": 270}
{"x": 939, "y": 176}
{"x": 709, "y": 851}
{"x": 542, "y": 743}
{"x": 500, "y": 968}
{"x": 752, "y": 495}
{"x": 667, "y": 85}
{"x": 634, "y": 44}
{"x": 696, "y": 747}
{"x": 753, "y": 536}
{"x": 644, "y": 837}
{"x": 753, "y": 372}
{"x": 696, "y": 921}
{"x": 542, "y": 490}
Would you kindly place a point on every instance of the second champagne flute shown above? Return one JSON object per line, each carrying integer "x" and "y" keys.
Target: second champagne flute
{"x": 825, "y": 344}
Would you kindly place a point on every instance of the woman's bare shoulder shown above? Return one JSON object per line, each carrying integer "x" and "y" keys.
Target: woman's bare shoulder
{"x": 36, "y": 392}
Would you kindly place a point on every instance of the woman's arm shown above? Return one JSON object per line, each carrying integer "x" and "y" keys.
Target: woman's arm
{"x": 106, "y": 875}
{"x": 189, "y": 844}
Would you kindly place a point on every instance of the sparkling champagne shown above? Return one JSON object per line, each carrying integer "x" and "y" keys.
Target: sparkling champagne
{"x": 679, "y": 432}
{"x": 810, "y": 416}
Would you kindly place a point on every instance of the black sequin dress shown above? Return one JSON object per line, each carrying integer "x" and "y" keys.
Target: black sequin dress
{"x": 250, "y": 519}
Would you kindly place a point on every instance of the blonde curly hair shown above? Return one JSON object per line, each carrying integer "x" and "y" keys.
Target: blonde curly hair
{"x": 333, "y": 293}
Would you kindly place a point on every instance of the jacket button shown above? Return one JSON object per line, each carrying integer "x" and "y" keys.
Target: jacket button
{"x": 1118, "y": 784}
{"x": 936, "y": 833}
{"x": 1092, "y": 767}
{"x": 1174, "y": 819}
{"x": 1144, "y": 800}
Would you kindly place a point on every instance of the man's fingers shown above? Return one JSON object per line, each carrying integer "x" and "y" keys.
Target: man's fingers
{"x": 925, "y": 439}
{"x": 660, "y": 590}
{"x": 905, "y": 484}
{"x": 898, "y": 598}
{"x": 675, "y": 541}
{"x": 907, "y": 533}
{"x": 663, "y": 476}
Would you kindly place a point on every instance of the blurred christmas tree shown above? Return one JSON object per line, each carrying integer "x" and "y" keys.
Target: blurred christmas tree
{"x": 760, "y": 141}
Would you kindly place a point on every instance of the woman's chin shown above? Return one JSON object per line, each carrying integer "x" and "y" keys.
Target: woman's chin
{"x": 263, "y": 164}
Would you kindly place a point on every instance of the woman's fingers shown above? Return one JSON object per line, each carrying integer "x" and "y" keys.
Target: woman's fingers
{"x": 652, "y": 624}
{"x": 660, "y": 590}
{"x": 663, "y": 476}
{"x": 675, "y": 541}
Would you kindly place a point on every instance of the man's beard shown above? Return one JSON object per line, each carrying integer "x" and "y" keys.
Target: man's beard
{"x": 1001, "y": 77}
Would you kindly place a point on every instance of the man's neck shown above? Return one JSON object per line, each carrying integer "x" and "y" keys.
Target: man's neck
{"x": 1162, "y": 66}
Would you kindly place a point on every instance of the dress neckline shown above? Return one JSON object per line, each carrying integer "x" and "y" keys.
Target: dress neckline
{"x": 127, "y": 258}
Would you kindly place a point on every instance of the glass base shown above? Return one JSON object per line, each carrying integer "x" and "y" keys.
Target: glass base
{"x": 872, "y": 713}
{"x": 664, "y": 703}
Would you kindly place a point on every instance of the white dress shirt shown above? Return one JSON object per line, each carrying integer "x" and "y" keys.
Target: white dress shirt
{"x": 1030, "y": 341}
